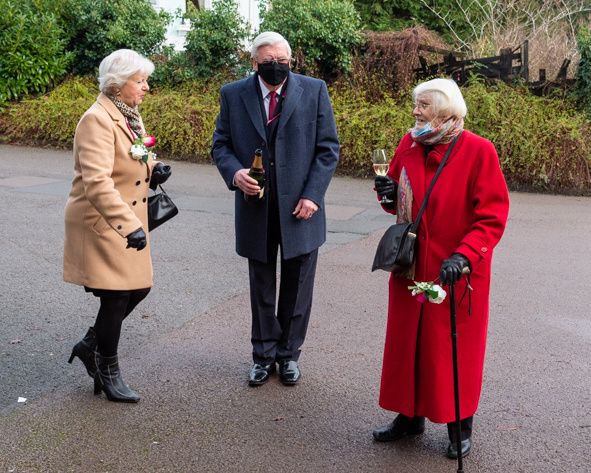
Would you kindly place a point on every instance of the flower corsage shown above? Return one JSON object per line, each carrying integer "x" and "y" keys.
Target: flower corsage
{"x": 428, "y": 291}
{"x": 139, "y": 149}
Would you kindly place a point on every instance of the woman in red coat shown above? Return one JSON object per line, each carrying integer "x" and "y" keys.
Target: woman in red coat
{"x": 464, "y": 219}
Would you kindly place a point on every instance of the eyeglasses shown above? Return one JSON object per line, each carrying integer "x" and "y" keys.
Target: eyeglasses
{"x": 280, "y": 60}
{"x": 422, "y": 105}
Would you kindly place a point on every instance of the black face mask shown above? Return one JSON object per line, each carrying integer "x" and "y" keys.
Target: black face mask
{"x": 273, "y": 73}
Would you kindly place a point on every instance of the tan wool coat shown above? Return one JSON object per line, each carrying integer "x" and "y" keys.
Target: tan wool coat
{"x": 108, "y": 201}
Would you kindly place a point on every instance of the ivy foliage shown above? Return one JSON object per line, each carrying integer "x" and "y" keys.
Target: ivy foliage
{"x": 542, "y": 143}
{"x": 98, "y": 27}
{"x": 215, "y": 40}
{"x": 322, "y": 33}
{"x": 394, "y": 15}
{"x": 583, "y": 77}
{"x": 32, "y": 56}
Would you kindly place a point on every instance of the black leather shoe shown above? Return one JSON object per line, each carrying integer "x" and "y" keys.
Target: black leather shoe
{"x": 259, "y": 374}
{"x": 452, "y": 451}
{"x": 289, "y": 372}
{"x": 400, "y": 427}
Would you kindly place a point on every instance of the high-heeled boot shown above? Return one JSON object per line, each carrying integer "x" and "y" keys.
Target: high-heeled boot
{"x": 108, "y": 379}
{"x": 84, "y": 350}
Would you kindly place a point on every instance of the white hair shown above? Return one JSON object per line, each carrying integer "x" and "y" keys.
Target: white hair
{"x": 119, "y": 66}
{"x": 268, "y": 38}
{"x": 447, "y": 97}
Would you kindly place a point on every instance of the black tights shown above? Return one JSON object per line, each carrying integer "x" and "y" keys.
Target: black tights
{"x": 115, "y": 306}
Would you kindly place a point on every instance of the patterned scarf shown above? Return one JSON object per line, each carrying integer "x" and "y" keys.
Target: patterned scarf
{"x": 443, "y": 133}
{"x": 131, "y": 114}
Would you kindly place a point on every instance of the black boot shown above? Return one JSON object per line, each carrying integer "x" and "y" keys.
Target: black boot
{"x": 466, "y": 438}
{"x": 84, "y": 350}
{"x": 400, "y": 427}
{"x": 108, "y": 379}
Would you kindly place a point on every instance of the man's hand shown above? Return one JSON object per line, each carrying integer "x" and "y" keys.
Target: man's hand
{"x": 245, "y": 183}
{"x": 305, "y": 209}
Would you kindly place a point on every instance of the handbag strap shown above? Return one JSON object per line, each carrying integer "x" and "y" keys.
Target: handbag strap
{"x": 417, "y": 221}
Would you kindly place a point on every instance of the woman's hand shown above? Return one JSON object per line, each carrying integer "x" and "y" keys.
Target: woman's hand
{"x": 452, "y": 268}
{"x": 160, "y": 174}
{"x": 137, "y": 239}
{"x": 385, "y": 187}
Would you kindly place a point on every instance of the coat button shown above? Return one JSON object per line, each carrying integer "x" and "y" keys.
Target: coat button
{"x": 272, "y": 163}
{"x": 119, "y": 227}
{"x": 134, "y": 202}
{"x": 137, "y": 183}
{"x": 144, "y": 199}
{"x": 484, "y": 249}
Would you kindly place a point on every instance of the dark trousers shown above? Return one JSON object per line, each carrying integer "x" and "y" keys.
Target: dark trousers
{"x": 278, "y": 335}
{"x": 465, "y": 426}
{"x": 115, "y": 306}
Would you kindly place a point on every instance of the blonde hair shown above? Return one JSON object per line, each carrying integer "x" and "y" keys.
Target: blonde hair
{"x": 448, "y": 100}
{"x": 119, "y": 66}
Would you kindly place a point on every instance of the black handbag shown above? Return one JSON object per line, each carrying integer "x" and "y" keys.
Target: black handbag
{"x": 396, "y": 250}
{"x": 161, "y": 208}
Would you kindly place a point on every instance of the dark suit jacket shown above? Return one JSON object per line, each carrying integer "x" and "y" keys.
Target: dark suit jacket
{"x": 305, "y": 153}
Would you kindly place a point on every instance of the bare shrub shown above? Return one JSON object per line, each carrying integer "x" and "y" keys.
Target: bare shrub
{"x": 392, "y": 56}
{"x": 548, "y": 25}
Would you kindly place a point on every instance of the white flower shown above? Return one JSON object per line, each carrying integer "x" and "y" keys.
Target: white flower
{"x": 441, "y": 294}
{"x": 138, "y": 151}
{"x": 428, "y": 291}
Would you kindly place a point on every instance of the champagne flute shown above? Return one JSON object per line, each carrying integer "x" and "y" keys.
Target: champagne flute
{"x": 379, "y": 158}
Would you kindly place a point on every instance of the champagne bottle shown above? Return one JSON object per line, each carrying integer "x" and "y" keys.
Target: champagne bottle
{"x": 257, "y": 172}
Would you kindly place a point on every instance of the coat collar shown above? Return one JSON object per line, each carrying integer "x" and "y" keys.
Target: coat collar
{"x": 292, "y": 98}
{"x": 115, "y": 114}
{"x": 417, "y": 157}
{"x": 249, "y": 96}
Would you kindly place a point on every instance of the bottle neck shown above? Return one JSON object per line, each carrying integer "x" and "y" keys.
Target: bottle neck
{"x": 257, "y": 163}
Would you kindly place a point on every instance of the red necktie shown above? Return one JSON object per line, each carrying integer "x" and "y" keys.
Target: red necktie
{"x": 272, "y": 106}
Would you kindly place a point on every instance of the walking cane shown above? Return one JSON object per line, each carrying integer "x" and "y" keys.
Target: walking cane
{"x": 454, "y": 349}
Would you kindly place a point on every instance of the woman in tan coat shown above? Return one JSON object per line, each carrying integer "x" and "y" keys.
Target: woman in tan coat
{"x": 106, "y": 243}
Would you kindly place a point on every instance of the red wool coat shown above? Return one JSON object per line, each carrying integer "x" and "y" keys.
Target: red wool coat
{"x": 466, "y": 213}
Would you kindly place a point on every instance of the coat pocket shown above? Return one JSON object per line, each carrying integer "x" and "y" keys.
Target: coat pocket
{"x": 100, "y": 225}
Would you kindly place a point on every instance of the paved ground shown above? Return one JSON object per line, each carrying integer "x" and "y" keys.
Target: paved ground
{"x": 186, "y": 348}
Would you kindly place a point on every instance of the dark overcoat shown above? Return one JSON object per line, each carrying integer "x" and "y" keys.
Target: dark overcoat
{"x": 304, "y": 155}
{"x": 466, "y": 213}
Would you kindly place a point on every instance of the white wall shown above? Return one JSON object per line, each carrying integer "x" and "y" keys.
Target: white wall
{"x": 177, "y": 30}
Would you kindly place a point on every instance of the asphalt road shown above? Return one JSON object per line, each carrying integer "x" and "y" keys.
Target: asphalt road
{"x": 186, "y": 348}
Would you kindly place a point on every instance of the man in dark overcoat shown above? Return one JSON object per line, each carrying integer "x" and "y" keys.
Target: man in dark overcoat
{"x": 289, "y": 117}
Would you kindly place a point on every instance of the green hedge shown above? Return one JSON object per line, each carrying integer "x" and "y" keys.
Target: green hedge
{"x": 541, "y": 142}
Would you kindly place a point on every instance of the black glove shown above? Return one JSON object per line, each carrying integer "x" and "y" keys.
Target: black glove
{"x": 452, "y": 267}
{"x": 385, "y": 187}
{"x": 160, "y": 174}
{"x": 137, "y": 240}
